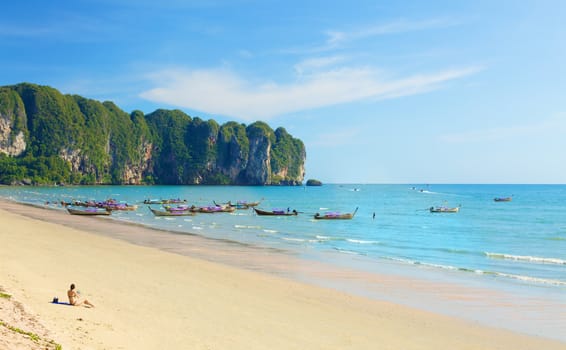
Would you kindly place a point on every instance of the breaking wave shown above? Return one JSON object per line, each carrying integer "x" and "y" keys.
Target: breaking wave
{"x": 526, "y": 258}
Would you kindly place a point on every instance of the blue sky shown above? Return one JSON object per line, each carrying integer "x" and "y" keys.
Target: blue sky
{"x": 379, "y": 91}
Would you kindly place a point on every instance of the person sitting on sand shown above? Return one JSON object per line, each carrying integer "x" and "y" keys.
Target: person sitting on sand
{"x": 74, "y": 298}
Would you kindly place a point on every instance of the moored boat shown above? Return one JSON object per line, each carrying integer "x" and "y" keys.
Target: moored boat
{"x": 119, "y": 206}
{"x": 164, "y": 201}
{"x": 213, "y": 209}
{"x": 240, "y": 204}
{"x": 275, "y": 212}
{"x": 335, "y": 215}
{"x": 182, "y": 207}
{"x": 171, "y": 213}
{"x": 88, "y": 211}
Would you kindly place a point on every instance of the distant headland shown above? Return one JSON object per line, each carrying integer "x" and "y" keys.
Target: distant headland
{"x": 47, "y": 137}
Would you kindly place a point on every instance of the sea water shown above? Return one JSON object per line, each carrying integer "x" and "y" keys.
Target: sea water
{"x": 506, "y": 255}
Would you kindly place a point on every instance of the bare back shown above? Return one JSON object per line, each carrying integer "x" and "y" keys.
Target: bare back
{"x": 72, "y": 296}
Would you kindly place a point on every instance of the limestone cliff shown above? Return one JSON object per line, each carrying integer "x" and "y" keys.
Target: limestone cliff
{"x": 50, "y": 137}
{"x": 12, "y": 123}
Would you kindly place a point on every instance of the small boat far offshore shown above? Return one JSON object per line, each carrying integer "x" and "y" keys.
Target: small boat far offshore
{"x": 503, "y": 199}
{"x": 444, "y": 209}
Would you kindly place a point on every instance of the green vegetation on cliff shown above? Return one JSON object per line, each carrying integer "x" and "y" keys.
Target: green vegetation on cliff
{"x": 286, "y": 157}
{"x": 74, "y": 140}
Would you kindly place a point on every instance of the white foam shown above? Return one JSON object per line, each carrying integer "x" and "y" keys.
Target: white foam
{"x": 247, "y": 227}
{"x": 346, "y": 251}
{"x": 526, "y": 258}
{"x": 532, "y": 279}
{"x": 360, "y": 241}
{"x": 294, "y": 239}
{"x": 481, "y": 272}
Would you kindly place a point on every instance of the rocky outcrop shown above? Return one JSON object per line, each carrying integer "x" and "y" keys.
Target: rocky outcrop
{"x": 12, "y": 122}
{"x": 258, "y": 170}
{"x": 134, "y": 173}
{"x": 232, "y": 150}
{"x": 12, "y": 145}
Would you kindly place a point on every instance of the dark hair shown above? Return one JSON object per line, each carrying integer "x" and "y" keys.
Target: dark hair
{"x": 72, "y": 286}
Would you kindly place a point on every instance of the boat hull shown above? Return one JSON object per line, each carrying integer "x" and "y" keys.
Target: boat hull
{"x": 171, "y": 213}
{"x": 87, "y": 212}
{"x": 275, "y": 213}
{"x": 503, "y": 199}
{"x": 330, "y": 216}
{"x": 444, "y": 210}
{"x": 334, "y": 217}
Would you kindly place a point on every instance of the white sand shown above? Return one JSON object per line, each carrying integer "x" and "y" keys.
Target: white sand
{"x": 147, "y": 299}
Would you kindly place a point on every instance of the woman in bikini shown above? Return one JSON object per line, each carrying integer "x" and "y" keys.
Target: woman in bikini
{"x": 74, "y": 298}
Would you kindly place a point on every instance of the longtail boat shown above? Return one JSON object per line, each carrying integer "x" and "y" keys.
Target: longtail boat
{"x": 171, "y": 213}
{"x": 275, "y": 212}
{"x": 444, "y": 209}
{"x": 503, "y": 199}
{"x": 239, "y": 204}
{"x": 182, "y": 207}
{"x": 164, "y": 201}
{"x": 119, "y": 206}
{"x": 213, "y": 209}
{"x": 89, "y": 211}
{"x": 335, "y": 215}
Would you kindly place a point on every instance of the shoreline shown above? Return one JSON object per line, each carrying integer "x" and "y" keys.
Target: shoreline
{"x": 274, "y": 306}
{"x": 468, "y": 296}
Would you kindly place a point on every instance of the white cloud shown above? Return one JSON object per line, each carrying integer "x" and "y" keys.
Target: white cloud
{"x": 336, "y": 39}
{"x": 313, "y": 64}
{"x": 339, "y": 138}
{"x": 551, "y": 126}
{"x": 220, "y": 91}
{"x": 245, "y": 54}
{"x": 403, "y": 26}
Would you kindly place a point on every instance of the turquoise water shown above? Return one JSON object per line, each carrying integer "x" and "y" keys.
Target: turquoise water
{"x": 516, "y": 247}
{"x": 523, "y": 240}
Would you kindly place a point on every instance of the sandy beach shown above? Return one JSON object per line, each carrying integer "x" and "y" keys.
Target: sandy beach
{"x": 147, "y": 298}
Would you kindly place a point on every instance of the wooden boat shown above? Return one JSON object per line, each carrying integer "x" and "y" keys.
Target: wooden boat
{"x": 239, "y": 204}
{"x": 444, "y": 209}
{"x": 171, "y": 213}
{"x": 503, "y": 199}
{"x": 91, "y": 211}
{"x": 153, "y": 201}
{"x": 275, "y": 212}
{"x": 120, "y": 206}
{"x": 244, "y": 204}
{"x": 182, "y": 207}
{"x": 335, "y": 216}
{"x": 213, "y": 209}
{"x": 164, "y": 201}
